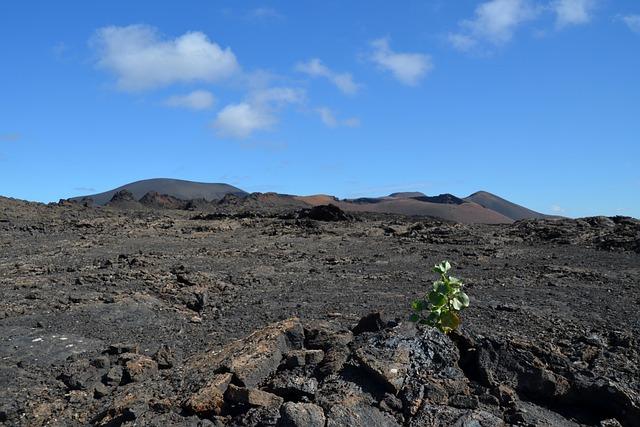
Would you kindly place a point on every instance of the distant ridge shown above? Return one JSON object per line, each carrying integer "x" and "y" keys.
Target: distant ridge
{"x": 447, "y": 209}
{"x": 180, "y": 189}
{"x": 504, "y": 207}
{"x": 164, "y": 193}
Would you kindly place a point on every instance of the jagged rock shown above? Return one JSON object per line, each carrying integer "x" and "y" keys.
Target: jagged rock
{"x": 255, "y": 357}
{"x": 209, "y": 399}
{"x": 165, "y": 357}
{"x": 257, "y": 417}
{"x": 324, "y": 213}
{"x": 445, "y": 416}
{"x": 526, "y": 413}
{"x": 389, "y": 365}
{"x": 196, "y": 300}
{"x": 292, "y": 386}
{"x": 333, "y": 341}
{"x": 164, "y": 201}
{"x": 100, "y": 390}
{"x": 113, "y": 376}
{"x": 101, "y": 362}
{"x": 252, "y": 397}
{"x": 301, "y": 415}
{"x": 80, "y": 375}
{"x": 139, "y": 369}
{"x": 370, "y": 323}
{"x": 123, "y": 196}
{"x": 298, "y": 358}
{"x": 391, "y": 403}
{"x": 358, "y": 416}
{"x": 463, "y": 402}
{"x": 125, "y": 407}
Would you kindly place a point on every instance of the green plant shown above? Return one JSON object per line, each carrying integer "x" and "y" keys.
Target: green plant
{"x": 443, "y": 302}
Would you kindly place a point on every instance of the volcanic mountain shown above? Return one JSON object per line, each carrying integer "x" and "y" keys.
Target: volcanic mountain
{"x": 504, "y": 207}
{"x": 444, "y": 206}
{"x": 481, "y": 207}
{"x": 183, "y": 190}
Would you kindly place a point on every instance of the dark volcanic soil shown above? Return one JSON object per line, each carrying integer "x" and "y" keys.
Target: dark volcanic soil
{"x": 88, "y": 293}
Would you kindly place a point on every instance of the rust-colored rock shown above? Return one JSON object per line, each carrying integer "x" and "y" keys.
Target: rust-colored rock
{"x": 210, "y": 398}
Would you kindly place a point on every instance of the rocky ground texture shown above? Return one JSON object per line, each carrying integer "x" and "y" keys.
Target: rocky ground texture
{"x": 131, "y": 315}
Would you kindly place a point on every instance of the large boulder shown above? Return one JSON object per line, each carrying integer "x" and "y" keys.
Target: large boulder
{"x": 253, "y": 359}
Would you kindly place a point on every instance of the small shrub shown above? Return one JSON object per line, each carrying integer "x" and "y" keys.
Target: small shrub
{"x": 443, "y": 303}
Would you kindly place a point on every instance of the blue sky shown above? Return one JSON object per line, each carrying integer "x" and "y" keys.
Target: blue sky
{"x": 536, "y": 101}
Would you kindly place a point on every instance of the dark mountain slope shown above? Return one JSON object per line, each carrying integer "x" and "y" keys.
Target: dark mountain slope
{"x": 180, "y": 189}
{"x": 504, "y": 207}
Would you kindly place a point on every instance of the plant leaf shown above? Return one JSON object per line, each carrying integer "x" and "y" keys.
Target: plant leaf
{"x": 437, "y": 299}
{"x": 463, "y": 298}
{"x": 450, "y": 320}
{"x": 442, "y": 288}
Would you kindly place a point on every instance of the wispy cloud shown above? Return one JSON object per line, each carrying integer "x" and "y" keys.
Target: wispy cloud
{"x": 494, "y": 22}
{"x": 407, "y": 68}
{"x": 141, "y": 59}
{"x": 257, "y": 113}
{"x": 573, "y": 12}
{"x": 556, "y": 209}
{"x": 265, "y": 13}
{"x": 343, "y": 81}
{"x": 462, "y": 41}
{"x": 196, "y": 100}
{"x": 10, "y": 137}
{"x": 632, "y": 22}
{"x": 329, "y": 118}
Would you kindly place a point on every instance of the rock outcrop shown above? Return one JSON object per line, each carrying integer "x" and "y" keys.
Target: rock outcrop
{"x": 386, "y": 374}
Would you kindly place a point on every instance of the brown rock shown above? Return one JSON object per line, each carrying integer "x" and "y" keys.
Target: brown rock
{"x": 255, "y": 357}
{"x": 252, "y": 397}
{"x": 210, "y": 398}
{"x": 140, "y": 368}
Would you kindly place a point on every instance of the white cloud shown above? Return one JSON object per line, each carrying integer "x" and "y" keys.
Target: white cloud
{"x": 495, "y": 21}
{"x": 343, "y": 81}
{"x": 408, "y": 68}
{"x": 461, "y": 41}
{"x": 573, "y": 12}
{"x": 196, "y": 100}
{"x": 277, "y": 96}
{"x": 258, "y": 113}
{"x": 141, "y": 60}
{"x": 241, "y": 120}
{"x": 329, "y": 118}
{"x": 557, "y": 209}
{"x": 633, "y": 22}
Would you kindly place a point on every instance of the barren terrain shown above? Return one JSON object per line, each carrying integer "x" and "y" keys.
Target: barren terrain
{"x": 81, "y": 286}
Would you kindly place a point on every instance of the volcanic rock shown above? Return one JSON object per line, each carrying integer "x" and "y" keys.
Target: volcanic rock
{"x": 294, "y": 414}
{"x": 154, "y": 199}
{"x": 325, "y": 213}
{"x": 252, "y": 397}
